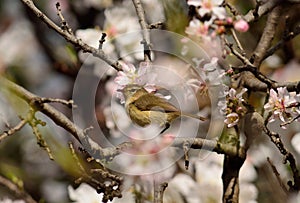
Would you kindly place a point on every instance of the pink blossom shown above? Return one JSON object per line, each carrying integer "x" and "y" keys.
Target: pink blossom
{"x": 131, "y": 75}
{"x": 241, "y": 25}
{"x": 281, "y": 104}
{"x": 209, "y": 7}
{"x": 197, "y": 28}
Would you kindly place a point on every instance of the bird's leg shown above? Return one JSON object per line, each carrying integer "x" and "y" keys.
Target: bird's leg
{"x": 167, "y": 125}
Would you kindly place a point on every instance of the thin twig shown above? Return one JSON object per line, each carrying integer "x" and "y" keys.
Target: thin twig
{"x": 231, "y": 8}
{"x": 102, "y": 40}
{"x": 255, "y": 12}
{"x": 64, "y": 24}
{"x": 20, "y": 192}
{"x": 13, "y": 130}
{"x": 71, "y": 37}
{"x": 238, "y": 43}
{"x": 155, "y": 25}
{"x": 237, "y": 54}
{"x": 288, "y": 157}
{"x": 277, "y": 174}
{"x": 105, "y": 184}
{"x": 144, "y": 26}
{"x": 69, "y": 103}
{"x": 33, "y": 122}
{"x": 186, "y": 155}
{"x": 290, "y": 121}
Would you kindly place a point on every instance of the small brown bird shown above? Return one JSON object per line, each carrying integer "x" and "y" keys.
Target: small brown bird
{"x": 144, "y": 108}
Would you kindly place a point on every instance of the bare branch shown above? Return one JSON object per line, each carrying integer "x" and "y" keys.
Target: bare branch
{"x": 238, "y": 43}
{"x": 71, "y": 37}
{"x": 288, "y": 157}
{"x": 186, "y": 155}
{"x": 286, "y": 38}
{"x": 40, "y": 100}
{"x": 13, "y": 130}
{"x": 33, "y": 122}
{"x": 210, "y": 145}
{"x": 145, "y": 32}
{"x": 64, "y": 24}
{"x": 290, "y": 121}
{"x": 253, "y": 79}
{"x": 261, "y": 10}
{"x": 102, "y": 40}
{"x": 240, "y": 56}
{"x": 277, "y": 174}
{"x": 20, "y": 192}
{"x": 155, "y": 25}
{"x": 104, "y": 184}
{"x": 231, "y": 8}
{"x": 59, "y": 118}
{"x": 267, "y": 36}
{"x": 290, "y": 86}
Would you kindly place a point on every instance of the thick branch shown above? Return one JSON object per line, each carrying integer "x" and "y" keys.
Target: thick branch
{"x": 61, "y": 120}
{"x": 71, "y": 37}
{"x": 253, "y": 15}
{"x": 267, "y": 36}
{"x": 290, "y": 86}
{"x": 211, "y": 145}
{"x": 285, "y": 39}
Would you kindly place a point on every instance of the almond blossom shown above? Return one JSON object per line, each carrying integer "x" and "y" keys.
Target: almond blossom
{"x": 234, "y": 107}
{"x": 282, "y": 104}
{"x": 132, "y": 75}
{"x": 209, "y": 7}
{"x": 197, "y": 28}
{"x": 231, "y": 120}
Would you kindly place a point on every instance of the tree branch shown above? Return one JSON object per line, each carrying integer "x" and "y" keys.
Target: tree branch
{"x": 61, "y": 120}
{"x": 263, "y": 9}
{"x": 288, "y": 157}
{"x": 145, "y": 29}
{"x": 211, "y": 145}
{"x": 267, "y": 36}
{"x": 70, "y": 37}
{"x": 13, "y": 130}
{"x": 279, "y": 44}
{"x": 20, "y": 193}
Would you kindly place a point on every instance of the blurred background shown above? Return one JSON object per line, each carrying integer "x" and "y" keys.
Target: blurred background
{"x": 41, "y": 61}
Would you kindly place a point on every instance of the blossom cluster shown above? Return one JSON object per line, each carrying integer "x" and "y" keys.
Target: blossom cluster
{"x": 234, "y": 108}
{"x": 283, "y": 105}
{"x": 132, "y": 75}
{"x": 210, "y": 19}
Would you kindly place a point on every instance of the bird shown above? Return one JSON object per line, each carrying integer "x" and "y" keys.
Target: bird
{"x": 145, "y": 107}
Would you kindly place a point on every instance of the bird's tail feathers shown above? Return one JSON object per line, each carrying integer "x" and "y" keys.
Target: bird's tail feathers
{"x": 194, "y": 116}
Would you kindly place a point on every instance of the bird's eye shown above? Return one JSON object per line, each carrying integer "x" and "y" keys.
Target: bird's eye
{"x": 132, "y": 90}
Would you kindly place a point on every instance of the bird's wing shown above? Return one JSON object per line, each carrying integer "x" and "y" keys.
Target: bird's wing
{"x": 154, "y": 103}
